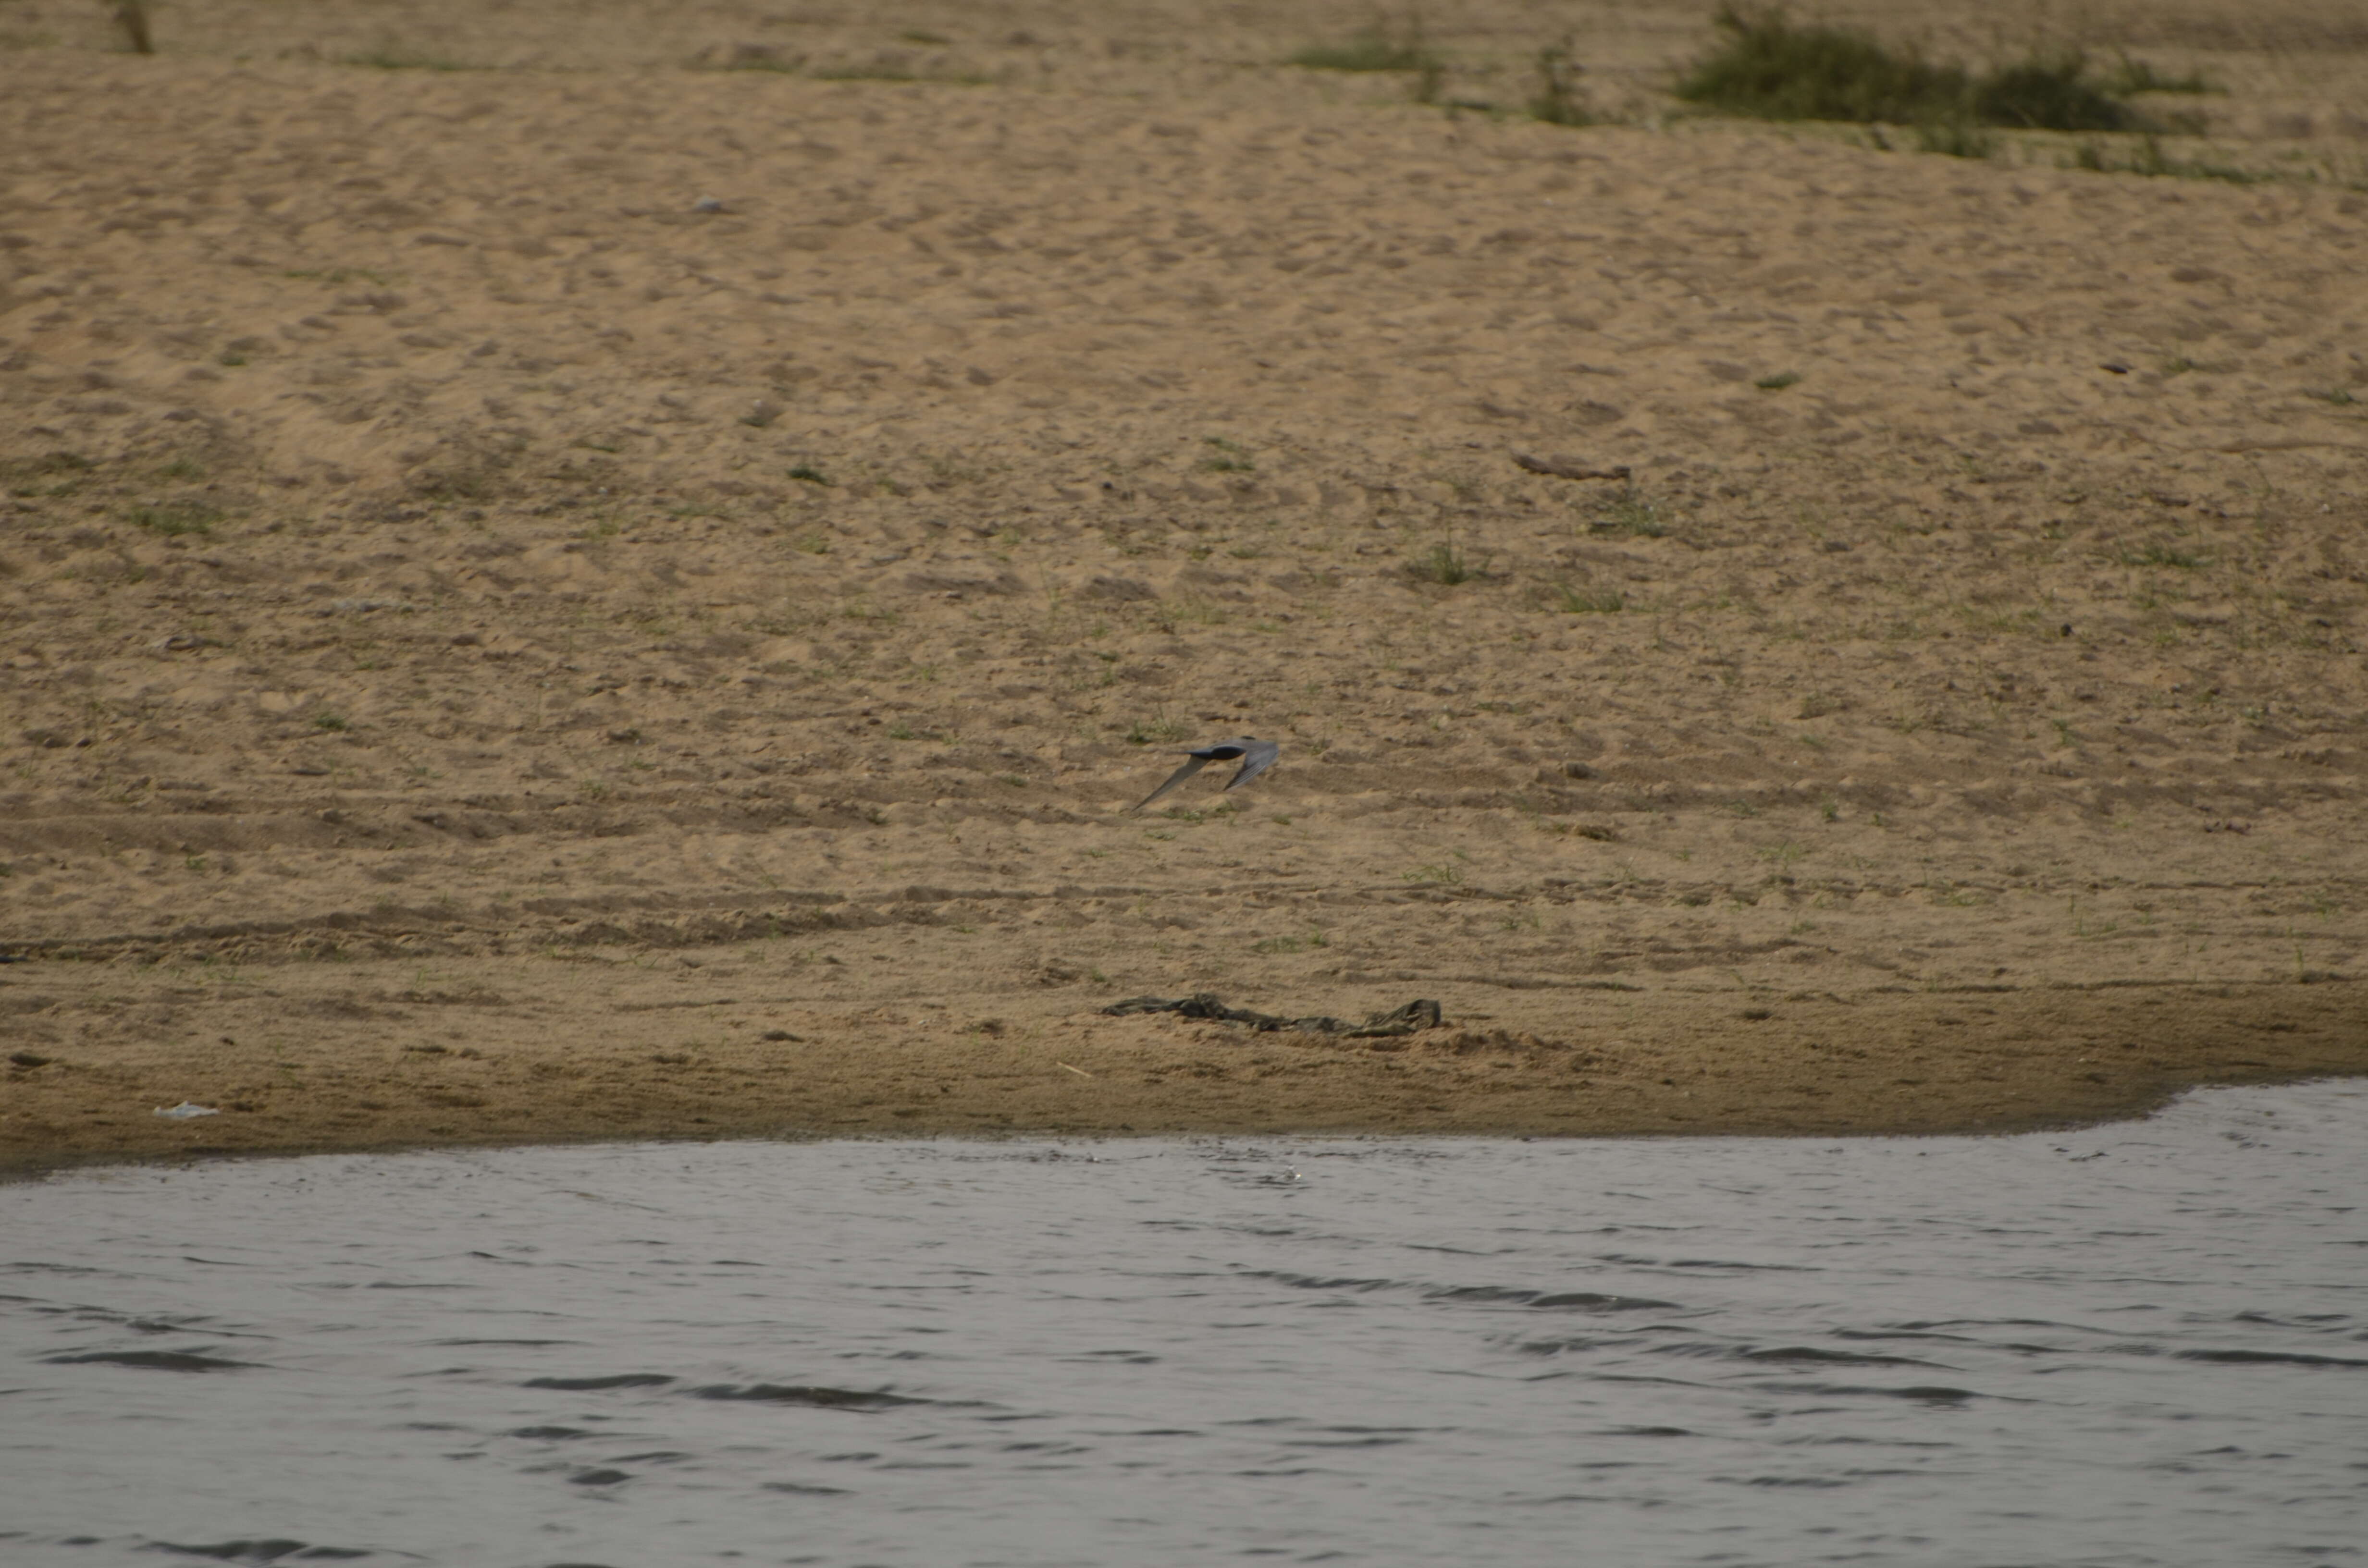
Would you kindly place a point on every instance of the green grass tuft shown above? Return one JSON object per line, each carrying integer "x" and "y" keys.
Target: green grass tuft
{"x": 809, "y": 475}
{"x": 1232, "y": 456}
{"x": 1778, "y": 381}
{"x": 1442, "y": 564}
{"x": 1630, "y": 513}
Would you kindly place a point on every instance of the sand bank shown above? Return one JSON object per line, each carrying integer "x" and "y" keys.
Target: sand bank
{"x": 592, "y": 561}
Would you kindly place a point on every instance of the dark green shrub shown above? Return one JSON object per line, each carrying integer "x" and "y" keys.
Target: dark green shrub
{"x": 1768, "y": 69}
{"x": 2049, "y": 93}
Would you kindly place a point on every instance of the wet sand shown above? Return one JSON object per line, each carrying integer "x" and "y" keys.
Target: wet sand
{"x": 519, "y": 583}
{"x": 378, "y": 1053}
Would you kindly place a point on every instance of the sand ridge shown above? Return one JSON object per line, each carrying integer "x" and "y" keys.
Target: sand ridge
{"x": 558, "y": 535}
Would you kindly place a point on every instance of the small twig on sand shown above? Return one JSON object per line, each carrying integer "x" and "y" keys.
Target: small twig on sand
{"x": 1564, "y": 468}
{"x": 1078, "y": 1071}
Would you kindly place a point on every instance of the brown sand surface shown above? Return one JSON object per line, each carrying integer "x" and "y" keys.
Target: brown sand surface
{"x": 576, "y": 591}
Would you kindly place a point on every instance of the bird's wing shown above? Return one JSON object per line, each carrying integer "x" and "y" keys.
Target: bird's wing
{"x": 1192, "y": 766}
{"x": 1257, "y": 757}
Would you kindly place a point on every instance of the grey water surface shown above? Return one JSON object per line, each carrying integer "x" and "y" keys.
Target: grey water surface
{"x": 2144, "y": 1343}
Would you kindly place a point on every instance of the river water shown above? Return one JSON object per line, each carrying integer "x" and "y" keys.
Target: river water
{"x": 2144, "y": 1343}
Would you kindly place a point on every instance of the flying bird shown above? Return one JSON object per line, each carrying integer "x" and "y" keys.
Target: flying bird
{"x": 1256, "y": 756}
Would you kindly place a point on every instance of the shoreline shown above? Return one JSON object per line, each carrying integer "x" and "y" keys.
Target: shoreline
{"x": 305, "y": 1059}
{"x": 38, "y": 1168}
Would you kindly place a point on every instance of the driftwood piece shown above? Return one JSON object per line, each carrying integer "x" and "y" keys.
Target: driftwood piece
{"x": 1413, "y": 1016}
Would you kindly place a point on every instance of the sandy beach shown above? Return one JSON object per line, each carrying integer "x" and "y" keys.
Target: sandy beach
{"x": 605, "y": 575}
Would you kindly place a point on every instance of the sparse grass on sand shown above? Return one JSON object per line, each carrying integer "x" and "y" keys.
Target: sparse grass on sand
{"x": 2147, "y": 156}
{"x": 2130, "y": 77}
{"x": 1590, "y": 601}
{"x": 1630, "y": 513}
{"x": 174, "y": 519}
{"x": 1375, "y": 50}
